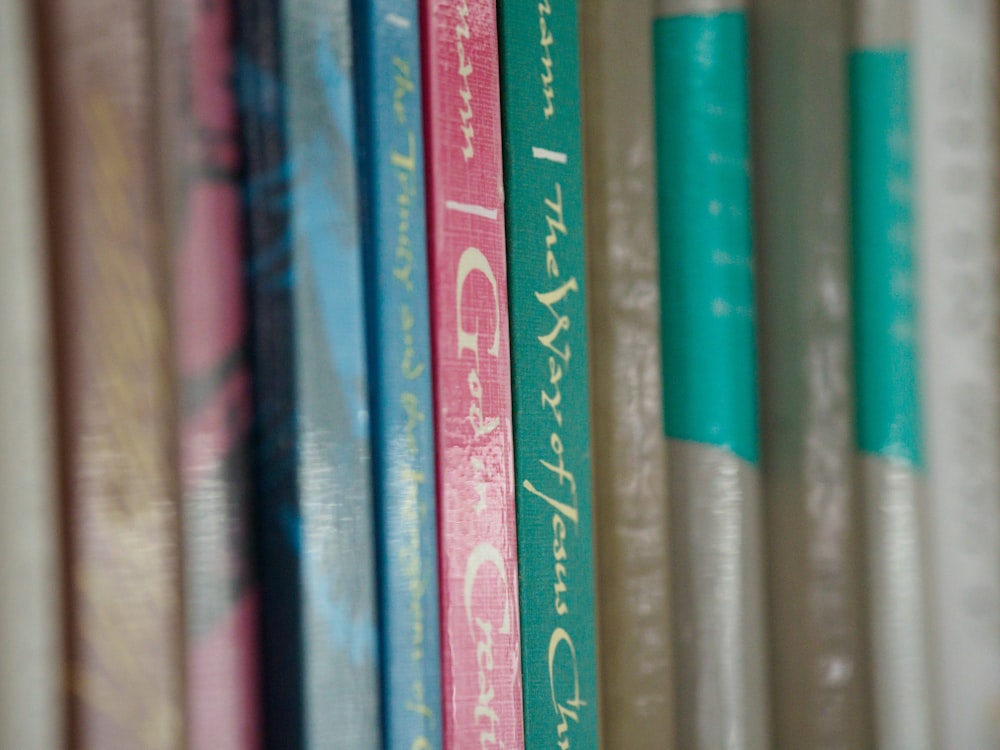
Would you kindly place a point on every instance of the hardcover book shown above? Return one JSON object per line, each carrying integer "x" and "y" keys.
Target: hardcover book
{"x": 709, "y": 372}
{"x": 200, "y": 161}
{"x": 480, "y": 633}
{"x": 630, "y": 478}
{"x": 30, "y": 658}
{"x": 814, "y": 522}
{"x": 390, "y": 151}
{"x": 889, "y": 430}
{"x": 312, "y": 463}
{"x": 543, "y": 170}
{"x": 116, "y": 406}
{"x": 955, "y": 67}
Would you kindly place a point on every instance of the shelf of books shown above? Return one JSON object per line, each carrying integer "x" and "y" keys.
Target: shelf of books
{"x": 482, "y": 374}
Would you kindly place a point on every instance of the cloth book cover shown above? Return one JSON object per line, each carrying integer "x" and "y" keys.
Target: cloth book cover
{"x": 122, "y": 589}
{"x": 30, "y": 657}
{"x": 312, "y": 462}
{"x": 888, "y": 415}
{"x": 814, "y": 521}
{"x": 543, "y": 177}
{"x": 480, "y": 633}
{"x": 201, "y": 161}
{"x": 391, "y": 163}
{"x": 700, "y": 58}
{"x": 630, "y": 478}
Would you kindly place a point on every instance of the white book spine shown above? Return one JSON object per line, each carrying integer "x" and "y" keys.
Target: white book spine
{"x": 956, "y": 68}
{"x": 30, "y": 699}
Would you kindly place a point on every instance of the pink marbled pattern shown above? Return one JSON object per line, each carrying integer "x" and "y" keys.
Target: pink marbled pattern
{"x": 211, "y": 324}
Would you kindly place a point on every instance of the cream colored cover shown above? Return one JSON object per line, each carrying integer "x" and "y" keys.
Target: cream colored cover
{"x": 813, "y": 516}
{"x": 630, "y": 489}
{"x": 955, "y": 45}
{"x": 29, "y": 664}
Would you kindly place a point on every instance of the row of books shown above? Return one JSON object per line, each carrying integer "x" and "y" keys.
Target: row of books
{"x": 470, "y": 374}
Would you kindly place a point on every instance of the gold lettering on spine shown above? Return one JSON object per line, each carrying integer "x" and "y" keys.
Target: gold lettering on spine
{"x": 473, "y": 261}
{"x": 485, "y": 554}
{"x": 567, "y": 709}
{"x": 554, "y": 482}
{"x": 545, "y": 9}
{"x": 463, "y": 32}
{"x": 412, "y": 510}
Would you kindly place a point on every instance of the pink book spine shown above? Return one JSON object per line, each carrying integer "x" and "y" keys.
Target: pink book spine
{"x": 211, "y": 327}
{"x": 480, "y": 637}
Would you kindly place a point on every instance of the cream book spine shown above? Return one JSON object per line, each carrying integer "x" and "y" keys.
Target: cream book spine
{"x": 955, "y": 65}
{"x": 30, "y": 700}
{"x": 813, "y": 518}
{"x": 629, "y": 460}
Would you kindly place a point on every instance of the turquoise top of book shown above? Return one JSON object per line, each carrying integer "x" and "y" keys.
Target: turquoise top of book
{"x": 706, "y": 274}
{"x": 885, "y": 304}
{"x": 540, "y": 99}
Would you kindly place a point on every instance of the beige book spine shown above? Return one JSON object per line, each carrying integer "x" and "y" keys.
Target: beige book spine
{"x": 813, "y": 515}
{"x": 630, "y": 497}
{"x": 29, "y": 655}
{"x": 955, "y": 59}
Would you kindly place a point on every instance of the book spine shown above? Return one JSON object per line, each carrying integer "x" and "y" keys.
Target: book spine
{"x": 543, "y": 167}
{"x": 274, "y": 447}
{"x": 122, "y": 590}
{"x": 814, "y": 522}
{"x": 955, "y": 58}
{"x": 480, "y": 632}
{"x": 709, "y": 372}
{"x": 30, "y": 659}
{"x": 391, "y": 163}
{"x": 630, "y": 478}
{"x": 886, "y": 373}
{"x": 201, "y": 158}
{"x": 313, "y": 463}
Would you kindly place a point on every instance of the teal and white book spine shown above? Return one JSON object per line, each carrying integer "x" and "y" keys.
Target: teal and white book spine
{"x": 955, "y": 70}
{"x": 709, "y": 373}
{"x": 887, "y": 374}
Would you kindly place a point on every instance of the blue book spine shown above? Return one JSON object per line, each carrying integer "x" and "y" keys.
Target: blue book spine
{"x": 391, "y": 165}
{"x": 312, "y": 457}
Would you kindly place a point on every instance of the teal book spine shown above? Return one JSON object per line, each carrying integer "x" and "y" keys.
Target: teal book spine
{"x": 540, "y": 105}
{"x": 889, "y": 430}
{"x": 709, "y": 373}
{"x": 393, "y": 208}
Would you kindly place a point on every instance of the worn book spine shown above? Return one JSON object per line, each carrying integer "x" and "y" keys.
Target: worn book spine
{"x": 200, "y": 161}
{"x": 709, "y": 372}
{"x": 814, "y": 520}
{"x": 630, "y": 479}
{"x": 320, "y": 661}
{"x": 391, "y": 163}
{"x": 543, "y": 177}
{"x": 117, "y": 412}
{"x": 30, "y": 657}
{"x": 887, "y": 387}
{"x": 955, "y": 59}
{"x": 480, "y": 630}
